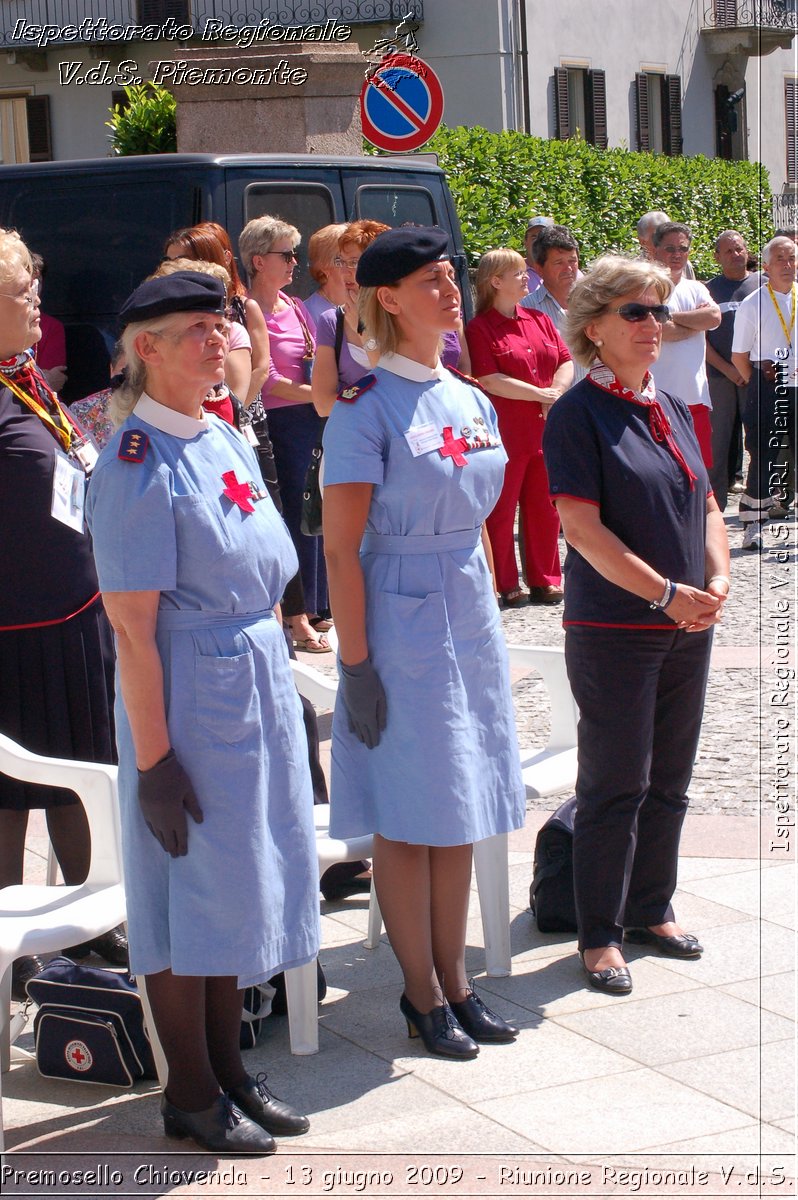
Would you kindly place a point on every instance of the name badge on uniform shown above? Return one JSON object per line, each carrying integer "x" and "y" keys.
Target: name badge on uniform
{"x": 423, "y": 438}
{"x": 69, "y": 492}
{"x": 250, "y": 435}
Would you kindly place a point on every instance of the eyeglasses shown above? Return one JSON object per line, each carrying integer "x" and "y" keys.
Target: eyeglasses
{"x": 635, "y": 314}
{"x": 286, "y": 255}
{"x": 675, "y": 249}
{"x": 30, "y": 296}
{"x": 349, "y": 263}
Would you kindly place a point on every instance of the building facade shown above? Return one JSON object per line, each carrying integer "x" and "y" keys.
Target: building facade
{"x": 713, "y": 77}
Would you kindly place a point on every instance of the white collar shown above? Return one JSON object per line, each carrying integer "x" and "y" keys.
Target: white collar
{"x": 167, "y": 420}
{"x": 408, "y": 368}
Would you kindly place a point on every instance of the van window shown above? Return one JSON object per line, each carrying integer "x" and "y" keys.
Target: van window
{"x": 308, "y": 206}
{"x": 396, "y": 205}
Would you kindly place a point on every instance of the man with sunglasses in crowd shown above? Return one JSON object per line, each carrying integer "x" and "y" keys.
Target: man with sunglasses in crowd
{"x": 681, "y": 367}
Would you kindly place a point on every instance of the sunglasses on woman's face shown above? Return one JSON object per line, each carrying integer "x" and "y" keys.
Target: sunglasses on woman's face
{"x": 287, "y": 255}
{"x": 637, "y": 313}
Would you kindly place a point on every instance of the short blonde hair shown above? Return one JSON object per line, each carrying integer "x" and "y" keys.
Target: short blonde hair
{"x": 379, "y": 325}
{"x": 259, "y": 235}
{"x": 14, "y": 256}
{"x": 170, "y": 265}
{"x": 124, "y": 399}
{"x": 492, "y": 263}
{"x": 322, "y": 249}
{"x": 609, "y": 277}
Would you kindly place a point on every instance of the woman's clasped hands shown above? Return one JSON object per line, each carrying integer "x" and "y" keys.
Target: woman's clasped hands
{"x": 694, "y": 610}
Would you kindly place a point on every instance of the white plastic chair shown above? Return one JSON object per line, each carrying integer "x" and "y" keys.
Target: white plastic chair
{"x": 554, "y": 768}
{"x": 39, "y": 918}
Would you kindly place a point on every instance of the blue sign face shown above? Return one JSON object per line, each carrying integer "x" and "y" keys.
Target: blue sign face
{"x": 385, "y": 115}
{"x": 401, "y": 104}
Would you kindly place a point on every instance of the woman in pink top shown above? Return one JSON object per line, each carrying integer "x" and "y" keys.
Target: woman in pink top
{"x": 267, "y": 247}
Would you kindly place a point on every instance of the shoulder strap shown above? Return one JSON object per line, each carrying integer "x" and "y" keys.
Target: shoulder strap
{"x": 339, "y": 333}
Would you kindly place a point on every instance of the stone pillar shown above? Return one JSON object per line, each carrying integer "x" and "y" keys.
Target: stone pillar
{"x": 302, "y": 98}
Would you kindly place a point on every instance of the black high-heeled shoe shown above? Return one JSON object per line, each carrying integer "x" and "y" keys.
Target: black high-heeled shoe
{"x": 222, "y": 1128}
{"x": 439, "y": 1031}
{"x": 479, "y": 1022}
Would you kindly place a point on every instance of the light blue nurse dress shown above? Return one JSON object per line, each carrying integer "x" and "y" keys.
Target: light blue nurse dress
{"x": 446, "y": 771}
{"x": 244, "y": 900}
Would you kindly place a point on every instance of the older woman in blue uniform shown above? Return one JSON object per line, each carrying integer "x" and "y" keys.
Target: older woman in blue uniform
{"x": 424, "y": 752}
{"x": 647, "y": 575}
{"x": 192, "y": 557}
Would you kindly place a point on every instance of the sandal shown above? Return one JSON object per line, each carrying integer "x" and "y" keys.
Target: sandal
{"x": 321, "y": 624}
{"x": 514, "y": 598}
{"x": 312, "y": 645}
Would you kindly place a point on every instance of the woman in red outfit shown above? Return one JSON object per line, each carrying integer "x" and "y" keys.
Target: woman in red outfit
{"x": 523, "y": 363}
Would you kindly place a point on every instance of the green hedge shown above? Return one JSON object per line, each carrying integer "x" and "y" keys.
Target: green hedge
{"x": 500, "y": 180}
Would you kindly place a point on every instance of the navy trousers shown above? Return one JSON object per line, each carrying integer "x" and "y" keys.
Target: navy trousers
{"x": 641, "y": 699}
{"x": 294, "y": 432}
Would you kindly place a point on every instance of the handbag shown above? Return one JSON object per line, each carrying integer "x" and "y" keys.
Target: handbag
{"x": 311, "y": 519}
{"x": 90, "y": 1025}
{"x": 257, "y": 1007}
{"x": 551, "y": 893}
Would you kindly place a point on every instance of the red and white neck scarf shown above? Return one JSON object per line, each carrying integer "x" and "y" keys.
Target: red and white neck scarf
{"x": 658, "y": 422}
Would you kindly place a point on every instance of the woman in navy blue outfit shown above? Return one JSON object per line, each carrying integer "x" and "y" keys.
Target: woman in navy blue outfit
{"x": 647, "y": 574}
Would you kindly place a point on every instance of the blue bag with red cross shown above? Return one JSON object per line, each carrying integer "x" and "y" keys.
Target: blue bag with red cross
{"x": 90, "y": 1025}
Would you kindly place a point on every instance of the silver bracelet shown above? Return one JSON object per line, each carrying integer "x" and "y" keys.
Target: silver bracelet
{"x": 667, "y": 596}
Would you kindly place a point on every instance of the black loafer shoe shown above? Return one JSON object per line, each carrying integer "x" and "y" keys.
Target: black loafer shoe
{"x": 615, "y": 981}
{"x": 439, "y": 1030}
{"x": 222, "y": 1128}
{"x": 112, "y": 946}
{"x": 23, "y": 969}
{"x": 683, "y": 945}
{"x": 257, "y": 1102}
{"x": 479, "y": 1022}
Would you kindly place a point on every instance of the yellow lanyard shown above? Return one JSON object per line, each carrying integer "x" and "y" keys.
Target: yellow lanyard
{"x": 777, "y": 307}
{"x": 57, "y": 423}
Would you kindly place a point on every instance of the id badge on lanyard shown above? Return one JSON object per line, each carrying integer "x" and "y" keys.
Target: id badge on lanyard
{"x": 69, "y": 491}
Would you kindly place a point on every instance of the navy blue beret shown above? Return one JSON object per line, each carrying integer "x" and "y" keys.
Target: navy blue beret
{"x": 184, "y": 291}
{"x": 399, "y": 252}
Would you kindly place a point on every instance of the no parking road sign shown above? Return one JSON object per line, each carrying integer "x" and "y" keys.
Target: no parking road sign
{"x": 401, "y": 103}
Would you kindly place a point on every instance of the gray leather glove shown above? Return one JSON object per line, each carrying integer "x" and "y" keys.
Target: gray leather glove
{"x": 165, "y": 796}
{"x": 364, "y": 697}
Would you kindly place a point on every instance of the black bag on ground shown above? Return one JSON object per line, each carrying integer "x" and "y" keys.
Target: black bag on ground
{"x": 90, "y": 1025}
{"x": 551, "y": 893}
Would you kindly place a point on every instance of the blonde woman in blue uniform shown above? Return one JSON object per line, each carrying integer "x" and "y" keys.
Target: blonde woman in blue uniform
{"x": 214, "y": 786}
{"x": 424, "y": 752}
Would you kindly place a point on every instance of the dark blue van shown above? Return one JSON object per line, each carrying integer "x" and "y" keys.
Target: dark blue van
{"x": 101, "y": 223}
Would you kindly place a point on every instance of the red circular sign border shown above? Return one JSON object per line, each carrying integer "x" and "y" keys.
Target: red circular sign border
{"x": 384, "y": 141}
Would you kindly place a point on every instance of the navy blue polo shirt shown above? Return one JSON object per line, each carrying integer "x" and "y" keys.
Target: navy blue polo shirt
{"x": 598, "y": 448}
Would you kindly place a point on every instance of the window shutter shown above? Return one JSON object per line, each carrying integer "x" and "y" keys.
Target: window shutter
{"x": 158, "y": 12}
{"x": 791, "y": 127}
{"x": 39, "y": 140}
{"x": 562, "y": 108}
{"x": 641, "y": 87}
{"x": 672, "y": 114}
{"x": 597, "y": 106}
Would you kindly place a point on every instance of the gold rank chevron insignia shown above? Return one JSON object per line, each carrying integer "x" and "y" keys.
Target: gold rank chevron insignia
{"x": 133, "y": 446}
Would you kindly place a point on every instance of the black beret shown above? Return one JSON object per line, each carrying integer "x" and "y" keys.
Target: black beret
{"x": 399, "y": 252}
{"x": 184, "y": 291}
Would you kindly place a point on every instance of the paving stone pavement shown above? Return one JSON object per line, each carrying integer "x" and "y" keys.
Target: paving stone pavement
{"x": 736, "y": 738}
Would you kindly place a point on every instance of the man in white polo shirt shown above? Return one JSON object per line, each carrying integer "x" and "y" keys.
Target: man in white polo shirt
{"x": 680, "y": 369}
{"x": 763, "y": 351}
